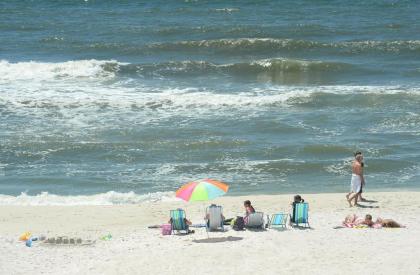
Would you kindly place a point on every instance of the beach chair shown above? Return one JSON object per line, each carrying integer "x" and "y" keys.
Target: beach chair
{"x": 178, "y": 218}
{"x": 300, "y": 214}
{"x": 278, "y": 221}
{"x": 214, "y": 218}
{"x": 255, "y": 220}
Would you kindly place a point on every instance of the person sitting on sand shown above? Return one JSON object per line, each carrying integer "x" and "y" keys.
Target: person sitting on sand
{"x": 249, "y": 209}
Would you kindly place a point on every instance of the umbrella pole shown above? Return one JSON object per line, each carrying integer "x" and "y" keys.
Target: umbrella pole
{"x": 205, "y": 215}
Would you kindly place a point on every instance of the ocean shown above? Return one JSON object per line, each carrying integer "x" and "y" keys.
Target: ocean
{"x": 123, "y": 101}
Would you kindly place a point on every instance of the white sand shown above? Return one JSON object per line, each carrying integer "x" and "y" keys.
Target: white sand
{"x": 134, "y": 249}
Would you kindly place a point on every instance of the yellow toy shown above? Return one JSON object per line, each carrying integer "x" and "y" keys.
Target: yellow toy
{"x": 25, "y": 236}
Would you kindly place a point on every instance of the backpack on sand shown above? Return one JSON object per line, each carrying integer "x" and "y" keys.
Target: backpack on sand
{"x": 239, "y": 224}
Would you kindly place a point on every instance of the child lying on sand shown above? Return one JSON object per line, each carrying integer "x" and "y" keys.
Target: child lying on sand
{"x": 353, "y": 221}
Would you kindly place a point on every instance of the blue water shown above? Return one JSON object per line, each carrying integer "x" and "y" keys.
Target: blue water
{"x": 268, "y": 96}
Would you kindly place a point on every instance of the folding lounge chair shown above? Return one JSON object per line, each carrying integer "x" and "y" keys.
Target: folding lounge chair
{"x": 215, "y": 218}
{"x": 178, "y": 223}
{"x": 300, "y": 214}
{"x": 255, "y": 220}
{"x": 278, "y": 221}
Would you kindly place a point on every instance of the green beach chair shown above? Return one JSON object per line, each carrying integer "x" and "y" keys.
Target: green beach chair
{"x": 300, "y": 214}
{"x": 278, "y": 221}
{"x": 178, "y": 221}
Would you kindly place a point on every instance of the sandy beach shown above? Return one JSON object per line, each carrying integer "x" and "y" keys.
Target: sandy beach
{"x": 111, "y": 112}
{"x": 135, "y": 249}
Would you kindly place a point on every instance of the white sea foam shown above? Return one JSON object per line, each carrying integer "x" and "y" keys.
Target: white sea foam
{"x": 71, "y": 91}
{"x": 37, "y": 71}
{"x": 113, "y": 95}
{"x": 228, "y": 10}
{"x": 108, "y": 198}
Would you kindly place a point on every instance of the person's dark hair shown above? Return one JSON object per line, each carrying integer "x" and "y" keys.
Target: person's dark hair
{"x": 247, "y": 203}
{"x": 298, "y": 199}
{"x": 368, "y": 217}
{"x": 357, "y": 153}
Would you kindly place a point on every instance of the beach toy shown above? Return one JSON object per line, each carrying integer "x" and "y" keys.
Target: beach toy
{"x": 28, "y": 243}
{"x": 25, "y": 236}
{"x": 106, "y": 237}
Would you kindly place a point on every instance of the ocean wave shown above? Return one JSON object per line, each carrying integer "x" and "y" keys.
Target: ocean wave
{"x": 73, "y": 100}
{"x": 258, "y": 45}
{"x": 235, "y": 46}
{"x": 130, "y": 100}
{"x": 238, "y": 44}
{"x": 108, "y": 198}
{"x": 41, "y": 71}
{"x": 361, "y": 96}
{"x": 271, "y": 70}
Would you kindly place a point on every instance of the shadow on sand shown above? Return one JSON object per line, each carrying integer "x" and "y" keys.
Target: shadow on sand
{"x": 255, "y": 229}
{"x": 219, "y": 240}
{"x": 298, "y": 227}
{"x": 369, "y": 201}
{"x": 366, "y": 206}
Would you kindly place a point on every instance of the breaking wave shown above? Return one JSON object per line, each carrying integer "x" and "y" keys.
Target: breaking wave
{"x": 108, "y": 198}
{"x": 276, "y": 70}
{"x": 80, "y": 69}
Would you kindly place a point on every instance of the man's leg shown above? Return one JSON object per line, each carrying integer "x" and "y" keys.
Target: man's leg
{"x": 350, "y": 197}
{"x": 355, "y": 199}
{"x": 360, "y": 193}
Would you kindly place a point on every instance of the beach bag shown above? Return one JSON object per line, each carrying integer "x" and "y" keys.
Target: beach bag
{"x": 166, "y": 229}
{"x": 239, "y": 224}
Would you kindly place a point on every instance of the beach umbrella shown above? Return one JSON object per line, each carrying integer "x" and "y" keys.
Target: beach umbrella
{"x": 202, "y": 190}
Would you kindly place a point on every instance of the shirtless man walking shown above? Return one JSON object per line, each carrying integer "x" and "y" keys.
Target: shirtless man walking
{"x": 357, "y": 179}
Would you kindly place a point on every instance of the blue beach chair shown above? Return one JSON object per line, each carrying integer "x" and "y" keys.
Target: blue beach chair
{"x": 178, "y": 221}
{"x": 278, "y": 221}
{"x": 300, "y": 214}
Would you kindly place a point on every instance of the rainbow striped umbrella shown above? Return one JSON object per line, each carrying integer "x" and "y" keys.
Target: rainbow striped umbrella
{"x": 202, "y": 190}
